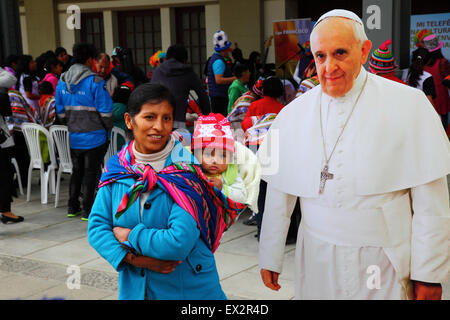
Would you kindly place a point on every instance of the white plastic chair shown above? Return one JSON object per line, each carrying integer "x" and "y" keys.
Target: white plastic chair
{"x": 31, "y": 133}
{"x": 60, "y": 136}
{"x": 113, "y": 148}
{"x": 19, "y": 180}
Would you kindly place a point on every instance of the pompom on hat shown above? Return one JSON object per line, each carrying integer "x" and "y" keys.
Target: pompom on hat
{"x": 432, "y": 43}
{"x": 213, "y": 131}
{"x": 382, "y": 60}
{"x": 258, "y": 86}
{"x": 220, "y": 41}
{"x": 156, "y": 57}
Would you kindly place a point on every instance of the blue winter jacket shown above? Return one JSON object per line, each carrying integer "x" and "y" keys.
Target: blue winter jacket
{"x": 164, "y": 231}
{"x": 84, "y": 104}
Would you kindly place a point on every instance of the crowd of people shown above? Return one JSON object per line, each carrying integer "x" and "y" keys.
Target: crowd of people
{"x": 175, "y": 186}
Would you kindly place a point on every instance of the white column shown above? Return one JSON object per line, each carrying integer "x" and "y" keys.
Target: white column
{"x": 67, "y": 37}
{"x": 108, "y": 30}
{"x": 168, "y": 29}
{"x": 274, "y": 10}
{"x": 212, "y": 24}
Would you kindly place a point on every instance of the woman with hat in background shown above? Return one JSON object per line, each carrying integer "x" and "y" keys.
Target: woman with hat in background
{"x": 420, "y": 35}
{"x": 416, "y": 77}
{"x": 439, "y": 67}
{"x": 382, "y": 63}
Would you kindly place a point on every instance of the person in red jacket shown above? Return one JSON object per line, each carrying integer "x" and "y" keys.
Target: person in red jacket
{"x": 272, "y": 91}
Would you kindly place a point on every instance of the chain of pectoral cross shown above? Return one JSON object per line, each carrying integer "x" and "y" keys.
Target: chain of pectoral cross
{"x": 324, "y": 174}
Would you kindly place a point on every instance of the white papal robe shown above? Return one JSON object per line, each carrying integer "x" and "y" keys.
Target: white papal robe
{"x": 384, "y": 218}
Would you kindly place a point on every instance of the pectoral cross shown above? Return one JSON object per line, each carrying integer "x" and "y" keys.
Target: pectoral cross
{"x": 324, "y": 176}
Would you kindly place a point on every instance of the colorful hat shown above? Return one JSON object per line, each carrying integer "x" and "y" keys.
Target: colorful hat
{"x": 220, "y": 41}
{"x": 382, "y": 60}
{"x": 258, "y": 86}
{"x": 116, "y": 51}
{"x": 156, "y": 57}
{"x": 127, "y": 85}
{"x": 432, "y": 43}
{"x": 418, "y": 38}
{"x": 307, "y": 46}
{"x": 213, "y": 131}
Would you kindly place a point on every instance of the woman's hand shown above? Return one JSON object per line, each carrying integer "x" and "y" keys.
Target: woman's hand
{"x": 121, "y": 234}
{"x": 427, "y": 291}
{"x": 139, "y": 261}
{"x": 153, "y": 264}
{"x": 217, "y": 182}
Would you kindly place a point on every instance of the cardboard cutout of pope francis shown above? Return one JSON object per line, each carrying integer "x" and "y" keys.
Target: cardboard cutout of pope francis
{"x": 369, "y": 159}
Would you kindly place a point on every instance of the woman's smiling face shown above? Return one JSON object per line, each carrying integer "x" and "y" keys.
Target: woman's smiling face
{"x": 152, "y": 126}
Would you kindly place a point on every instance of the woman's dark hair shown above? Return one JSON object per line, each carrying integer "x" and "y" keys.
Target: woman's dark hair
{"x": 273, "y": 87}
{"x": 45, "y": 87}
{"x": 239, "y": 69}
{"x": 178, "y": 52}
{"x": 41, "y": 61}
{"x": 23, "y": 67}
{"x": 254, "y": 55}
{"x": 148, "y": 93}
{"x": 237, "y": 55}
{"x": 60, "y": 50}
{"x": 83, "y": 51}
{"x": 12, "y": 58}
{"x": 418, "y": 62}
{"x": 51, "y": 63}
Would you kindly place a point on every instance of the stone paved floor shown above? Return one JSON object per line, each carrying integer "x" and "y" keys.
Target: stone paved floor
{"x": 36, "y": 257}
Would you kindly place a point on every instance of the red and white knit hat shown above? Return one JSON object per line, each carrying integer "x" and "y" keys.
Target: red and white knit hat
{"x": 213, "y": 131}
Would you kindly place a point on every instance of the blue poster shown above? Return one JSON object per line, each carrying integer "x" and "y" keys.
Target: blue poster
{"x": 439, "y": 24}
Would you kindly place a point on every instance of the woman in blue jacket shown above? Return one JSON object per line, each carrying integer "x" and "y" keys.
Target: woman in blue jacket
{"x": 156, "y": 219}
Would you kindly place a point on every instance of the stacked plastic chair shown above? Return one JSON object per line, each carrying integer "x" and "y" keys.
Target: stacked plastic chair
{"x": 31, "y": 133}
{"x": 60, "y": 136}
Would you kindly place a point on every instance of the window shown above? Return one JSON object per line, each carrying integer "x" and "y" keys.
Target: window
{"x": 92, "y": 29}
{"x": 191, "y": 32}
{"x": 140, "y": 31}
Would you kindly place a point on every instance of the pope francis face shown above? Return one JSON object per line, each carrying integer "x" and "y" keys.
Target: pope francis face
{"x": 338, "y": 54}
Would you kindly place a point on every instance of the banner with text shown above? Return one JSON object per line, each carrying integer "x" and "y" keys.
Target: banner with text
{"x": 288, "y": 36}
{"x": 439, "y": 24}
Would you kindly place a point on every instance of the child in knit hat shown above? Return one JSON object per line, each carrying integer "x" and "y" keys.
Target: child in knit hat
{"x": 213, "y": 146}
{"x": 382, "y": 63}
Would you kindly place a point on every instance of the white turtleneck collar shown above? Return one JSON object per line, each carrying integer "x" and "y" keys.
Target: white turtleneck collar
{"x": 157, "y": 159}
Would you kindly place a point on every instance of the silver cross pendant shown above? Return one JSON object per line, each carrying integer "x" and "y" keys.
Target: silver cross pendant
{"x": 324, "y": 176}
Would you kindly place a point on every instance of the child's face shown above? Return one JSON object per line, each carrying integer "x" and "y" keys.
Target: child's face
{"x": 245, "y": 76}
{"x": 215, "y": 162}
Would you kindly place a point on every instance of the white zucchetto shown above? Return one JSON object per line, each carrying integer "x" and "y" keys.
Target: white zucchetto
{"x": 340, "y": 13}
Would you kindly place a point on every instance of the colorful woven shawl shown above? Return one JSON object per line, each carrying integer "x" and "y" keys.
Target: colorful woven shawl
{"x": 185, "y": 183}
{"x": 21, "y": 111}
{"x": 240, "y": 107}
{"x": 255, "y": 135}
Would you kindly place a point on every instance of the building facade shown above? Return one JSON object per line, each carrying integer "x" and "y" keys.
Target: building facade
{"x": 146, "y": 26}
